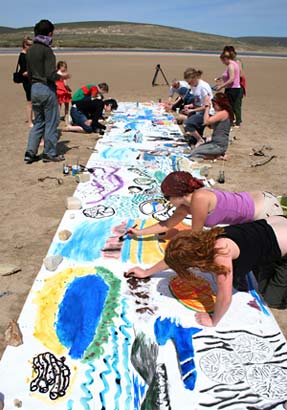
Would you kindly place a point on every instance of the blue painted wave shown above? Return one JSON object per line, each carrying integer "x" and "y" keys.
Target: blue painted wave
{"x": 103, "y": 375}
{"x": 86, "y": 242}
{"x": 125, "y": 352}
{"x": 84, "y": 386}
{"x": 115, "y": 363}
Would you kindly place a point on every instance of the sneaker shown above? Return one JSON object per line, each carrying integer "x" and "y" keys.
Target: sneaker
{"x": 50, "y": 158}
{"x": 30, "y": 157}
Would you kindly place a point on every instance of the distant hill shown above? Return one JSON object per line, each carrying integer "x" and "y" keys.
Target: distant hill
{"x": 111, "y": 34}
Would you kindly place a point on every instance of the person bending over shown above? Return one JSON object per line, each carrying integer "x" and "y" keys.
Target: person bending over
{"x": 220, "y": 123}
{"x": 229, "y": 253}
{"x": 176, "y": 85}
{"x": 90, "y": 91}
{"x": 87, "y": 112}
{"x": 208, "y": 207}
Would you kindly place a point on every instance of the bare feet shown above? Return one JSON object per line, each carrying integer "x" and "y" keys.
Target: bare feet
{"x": 199, "y": 142}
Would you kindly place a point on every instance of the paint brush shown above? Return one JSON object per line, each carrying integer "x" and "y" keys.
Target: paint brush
{"x": 123, "y": 236}
{"x": 128, "y": 275}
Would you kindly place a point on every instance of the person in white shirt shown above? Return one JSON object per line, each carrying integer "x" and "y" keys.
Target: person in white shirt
{"x": 194, "y": 124}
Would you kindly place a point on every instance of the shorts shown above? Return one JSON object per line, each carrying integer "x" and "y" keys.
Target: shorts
{"x": 27, "y": 88}
{"x": 271, "y": 206}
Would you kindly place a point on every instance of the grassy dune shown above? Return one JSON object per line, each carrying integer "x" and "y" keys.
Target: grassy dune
{"x": 110, "y": 34}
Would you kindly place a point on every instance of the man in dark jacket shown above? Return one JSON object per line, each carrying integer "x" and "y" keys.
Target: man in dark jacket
{"x": 87, "y": 112}
{"x": 41, "y": 66}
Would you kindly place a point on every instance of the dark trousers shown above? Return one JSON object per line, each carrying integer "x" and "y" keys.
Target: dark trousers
{"x": 235, "y": 96}
{"x": 272, "y": 282}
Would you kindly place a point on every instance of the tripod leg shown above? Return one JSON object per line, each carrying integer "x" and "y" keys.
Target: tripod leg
{"x": 155, "y": 76}
{"x": 167, "y": 83}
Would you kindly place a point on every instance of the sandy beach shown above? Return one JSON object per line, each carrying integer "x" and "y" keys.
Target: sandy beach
{"x": 31, "y": 209}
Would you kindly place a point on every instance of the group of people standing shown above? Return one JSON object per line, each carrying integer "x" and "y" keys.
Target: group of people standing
{"x": 46, "y": 89}
{"x": 198, "y": 107}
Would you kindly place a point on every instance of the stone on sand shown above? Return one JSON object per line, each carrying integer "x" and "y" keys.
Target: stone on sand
{"x": 13, "y": 335}
{"x": 64, "y": 235}
{"x": 7, "y": 269}
{"x": 52, "y": 262}
{"x": 73, "y": 202}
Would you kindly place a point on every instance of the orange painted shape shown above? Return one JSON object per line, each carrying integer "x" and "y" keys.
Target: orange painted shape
{"x": 195, "y": 294}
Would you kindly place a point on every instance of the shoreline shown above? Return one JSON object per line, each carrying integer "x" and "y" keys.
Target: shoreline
{"x": 98, "y": 51}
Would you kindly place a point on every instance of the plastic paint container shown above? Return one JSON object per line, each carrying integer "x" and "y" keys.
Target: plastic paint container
{"x": 75, "y": 170}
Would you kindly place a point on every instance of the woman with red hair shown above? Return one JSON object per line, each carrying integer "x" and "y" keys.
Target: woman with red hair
{"x": 229, "y": 253}
{"x": 220, "y": 122}
{"x": 208, "y": 207}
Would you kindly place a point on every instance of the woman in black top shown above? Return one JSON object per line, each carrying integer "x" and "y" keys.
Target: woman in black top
{"x": 229, "y": 253}
{"x": 26, "y": 43}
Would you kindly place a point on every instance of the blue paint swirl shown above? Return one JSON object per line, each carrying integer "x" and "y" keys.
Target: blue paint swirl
{"x": 106, "y": 384}
{"x": 80, "y": 312}
{"x": 86, "y": 242}
{"x": 88, "y": 395}
{"x": 182, "y": 337}
{"x": 125, "y": 352}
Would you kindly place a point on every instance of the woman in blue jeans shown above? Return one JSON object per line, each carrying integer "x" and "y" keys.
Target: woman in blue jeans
{"x": 41, "y": 67}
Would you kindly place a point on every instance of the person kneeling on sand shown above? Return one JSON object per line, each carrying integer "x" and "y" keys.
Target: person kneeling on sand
{"x": 87, "y": 112}
{"x": 220, "y": 123}
{"x": 229, "y": 253}
{"x": 90, "y": 91}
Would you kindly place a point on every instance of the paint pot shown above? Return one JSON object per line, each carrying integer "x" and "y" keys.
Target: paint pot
{"x": 66, "y": 169}
{"x": 221, "y": 177}
{"x": 177, "y": 110}
{"x": 75, "y": 169}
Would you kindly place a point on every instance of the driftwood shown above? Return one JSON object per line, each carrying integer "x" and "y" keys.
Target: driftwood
{"x": 59, "y": 180}
{"x": 259, "y": 164}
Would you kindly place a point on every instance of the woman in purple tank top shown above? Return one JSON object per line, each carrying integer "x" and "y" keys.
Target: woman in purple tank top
{"x": 208, "y": 207}
{"x": 231, "y": 82}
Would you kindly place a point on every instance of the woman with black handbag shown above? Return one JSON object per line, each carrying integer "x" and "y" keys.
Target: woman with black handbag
{"x": 22, "y": 72}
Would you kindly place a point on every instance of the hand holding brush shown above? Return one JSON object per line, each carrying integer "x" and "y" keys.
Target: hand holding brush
{"x": 129, "y": 231}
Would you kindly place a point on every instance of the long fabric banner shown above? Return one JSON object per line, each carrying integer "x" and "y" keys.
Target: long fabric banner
{"x": 96, "y": 340}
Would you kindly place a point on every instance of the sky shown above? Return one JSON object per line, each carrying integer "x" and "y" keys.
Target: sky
{"x": 225, "y": 17}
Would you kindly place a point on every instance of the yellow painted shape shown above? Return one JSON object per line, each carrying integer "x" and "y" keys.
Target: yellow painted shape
{"x": 48, "y": 300}
{"x": 152, "y": 251}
